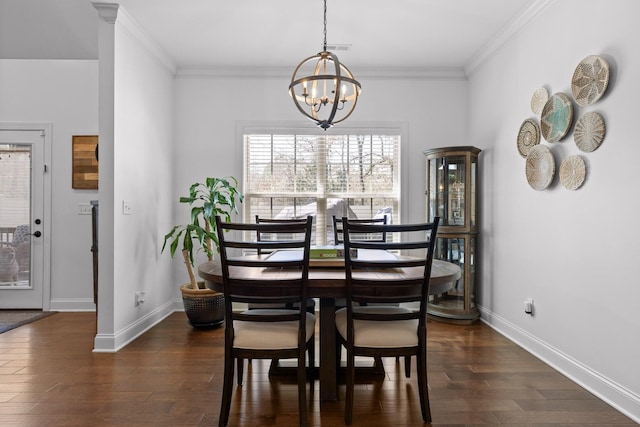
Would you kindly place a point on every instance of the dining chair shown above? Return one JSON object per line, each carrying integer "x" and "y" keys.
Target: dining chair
{"x": 260, "y": 235}
{"x": 380, "y": 331}
{"x": 338, "y": 239}
{"x": 265, "y": 333}
{"x": 338, "y": 230}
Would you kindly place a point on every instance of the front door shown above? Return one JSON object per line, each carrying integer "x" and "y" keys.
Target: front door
{"x": 22, "y": 218}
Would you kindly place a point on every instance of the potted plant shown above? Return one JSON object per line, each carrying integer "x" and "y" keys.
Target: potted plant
{"x": 216, "y": 196}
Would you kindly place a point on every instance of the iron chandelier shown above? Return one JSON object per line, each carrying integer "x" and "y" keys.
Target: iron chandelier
{"x": 328, "y": 92}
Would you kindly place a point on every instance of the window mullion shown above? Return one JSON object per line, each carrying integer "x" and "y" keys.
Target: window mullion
{"x": 321, "y": 185}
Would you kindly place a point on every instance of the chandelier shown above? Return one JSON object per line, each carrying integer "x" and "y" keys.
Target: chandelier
{"x": 327, "y": 93}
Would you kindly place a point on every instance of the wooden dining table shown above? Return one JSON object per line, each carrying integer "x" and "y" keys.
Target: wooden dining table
{"x": 327, "y": 282}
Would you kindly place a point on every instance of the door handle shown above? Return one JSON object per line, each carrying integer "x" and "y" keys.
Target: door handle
{"x": 37, "y": 234}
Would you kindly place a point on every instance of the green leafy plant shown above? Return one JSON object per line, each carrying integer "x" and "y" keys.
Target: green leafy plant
{"x": 215, "y": 196}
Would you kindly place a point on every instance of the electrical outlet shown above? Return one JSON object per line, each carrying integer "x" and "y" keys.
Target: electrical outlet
{"x": 126, "y": 207}
{"x": 84, "y": 209}
{"x": 139, "y": 298}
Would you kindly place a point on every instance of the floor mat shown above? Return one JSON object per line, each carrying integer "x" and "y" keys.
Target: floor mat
{"x": 11, "y": 319}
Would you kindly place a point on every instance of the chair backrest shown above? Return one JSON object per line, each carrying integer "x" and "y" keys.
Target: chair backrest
{"x": 397, "y": 279}
{"x": 243, "y": 280}
{"x": 269, "y": 236}
{"x": 338, "y": 230}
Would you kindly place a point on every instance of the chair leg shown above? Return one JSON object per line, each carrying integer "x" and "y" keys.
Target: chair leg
{"x": 240, "y": 370}
{"x": 423, "y": 385}
{"x": 302, "y": 389}
{"x": 378, "y": 366}
{"x": 227, "y": 389}
{"x": 351, "y": 373}
{"x": 407, "y": 366}
{"x": 273, "y": 367}
{"x": 312, "y": 357}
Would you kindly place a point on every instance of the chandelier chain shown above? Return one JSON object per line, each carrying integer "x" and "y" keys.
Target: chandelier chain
{"x": 324, "y": 47}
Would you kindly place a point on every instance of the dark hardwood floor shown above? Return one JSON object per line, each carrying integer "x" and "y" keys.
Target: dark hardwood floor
{"x": 172, "y": 376}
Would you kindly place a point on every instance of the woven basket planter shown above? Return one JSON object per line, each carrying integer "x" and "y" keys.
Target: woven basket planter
{"x": 204, "y": 307}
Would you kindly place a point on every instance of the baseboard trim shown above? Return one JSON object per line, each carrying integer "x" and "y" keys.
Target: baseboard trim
{"x": 72, "y": 304}
{"x": 111, "y": 343}
{"x": 614, "y": 394}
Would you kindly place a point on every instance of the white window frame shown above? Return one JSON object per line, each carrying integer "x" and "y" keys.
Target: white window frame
{"x": 398, "y": 129}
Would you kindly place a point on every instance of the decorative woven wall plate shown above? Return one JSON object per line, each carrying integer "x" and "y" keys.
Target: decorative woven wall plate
{"x": 572, "y": 172}
{"x": 557, "y": 115}
{"x": 540, "y": 167}
{"x": 590, "y": 131}
{"x": 539, "y": 98}
{"x": 528, "y": 136}
{"x": 590, "y": 80}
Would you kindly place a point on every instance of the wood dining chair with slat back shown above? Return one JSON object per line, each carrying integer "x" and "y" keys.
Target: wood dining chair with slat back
{"x": 261, "y": 236}
{"x": 380, "y": 331}
{"x": 338, "y": 238}
{"x": 265, "y": 333}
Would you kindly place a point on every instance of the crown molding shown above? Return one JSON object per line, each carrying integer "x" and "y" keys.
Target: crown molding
{"x": 137, "y": 32}
{"x": 507, "y": 33}
{"x": 426, "y": 73}
{"x": 107, "y": 11}
{"x": 112, "y": 13}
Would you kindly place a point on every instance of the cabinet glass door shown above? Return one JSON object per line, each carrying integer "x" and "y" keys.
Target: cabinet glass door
{"x": 459, "y": 250}
{"x": 446, "y": 194}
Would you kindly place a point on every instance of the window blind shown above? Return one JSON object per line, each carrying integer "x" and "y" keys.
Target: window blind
{"x": 295, "y": 175}
{"x": 15, "y": 185}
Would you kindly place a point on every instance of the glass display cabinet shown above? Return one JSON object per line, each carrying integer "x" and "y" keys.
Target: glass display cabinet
{"x": 451, "y": 194}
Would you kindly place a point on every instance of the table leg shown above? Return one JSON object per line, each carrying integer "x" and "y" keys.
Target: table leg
{"x": 328, "y": 369}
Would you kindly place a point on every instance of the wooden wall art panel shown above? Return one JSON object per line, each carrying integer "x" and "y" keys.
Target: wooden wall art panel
{"x": 85, "y": 162}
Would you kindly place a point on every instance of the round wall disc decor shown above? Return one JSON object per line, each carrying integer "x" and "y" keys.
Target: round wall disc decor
{"x": 540, "y": 167}
{"x": 539, "y": 98}
{"x": 557, "y": 115}
{"x": 590, "y": 80}
{"x": 572, "y": 172}
{"x": 589, "y": 132}
{"x": 528, "y": 136}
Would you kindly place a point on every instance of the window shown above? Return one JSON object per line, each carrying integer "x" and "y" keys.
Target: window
{"x": 15, "y": 205}
{"x": 290, "y": 175}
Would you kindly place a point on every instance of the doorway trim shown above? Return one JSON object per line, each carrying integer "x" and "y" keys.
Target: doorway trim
{"x": 46, "y": 129}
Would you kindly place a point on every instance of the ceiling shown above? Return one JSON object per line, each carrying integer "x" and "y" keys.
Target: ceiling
{"x": 205, "y": 34}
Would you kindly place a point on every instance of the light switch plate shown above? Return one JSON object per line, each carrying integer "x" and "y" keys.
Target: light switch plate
{"x": 84, "y": 209}
{"x": 126, "y": 207}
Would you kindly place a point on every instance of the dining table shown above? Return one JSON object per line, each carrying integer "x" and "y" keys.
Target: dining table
{"x": 327, "y": 282}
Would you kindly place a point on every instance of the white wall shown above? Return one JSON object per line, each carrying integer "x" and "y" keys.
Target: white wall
{"x": 210, "y": 113}
{"x": 64, "y": 93}
{"x": 573, "y": 252}
{"x": 136, "y": 128}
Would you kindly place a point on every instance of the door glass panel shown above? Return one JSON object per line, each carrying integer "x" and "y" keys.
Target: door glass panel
{"x": 15, "y": 207}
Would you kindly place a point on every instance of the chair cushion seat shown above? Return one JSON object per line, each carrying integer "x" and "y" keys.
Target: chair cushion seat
{"x": 270, "y": 335}
{"x": 380, "y": 334}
